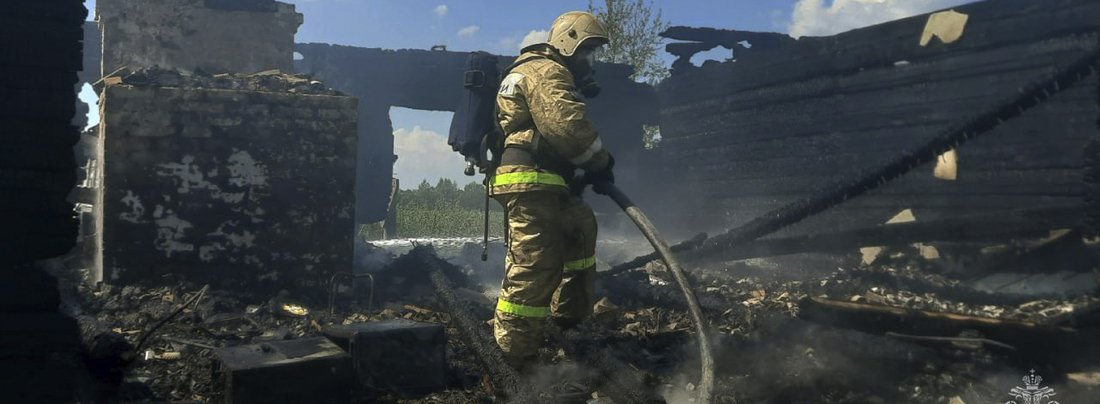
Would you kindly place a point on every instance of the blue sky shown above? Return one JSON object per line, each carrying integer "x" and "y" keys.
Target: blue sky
{"x": 500, "y": 26}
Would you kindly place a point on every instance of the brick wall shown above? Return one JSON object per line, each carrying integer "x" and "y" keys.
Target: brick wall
{"x": 225, "y": 186}
{"x": 216, "y": 36}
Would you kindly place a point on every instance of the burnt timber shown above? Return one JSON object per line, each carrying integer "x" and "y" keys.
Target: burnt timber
{"x": 782, "y": 123}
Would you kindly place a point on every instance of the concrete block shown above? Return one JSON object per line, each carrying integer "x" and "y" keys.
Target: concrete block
{"x": 309, "y": 370}
{"x": 396, "y": 356}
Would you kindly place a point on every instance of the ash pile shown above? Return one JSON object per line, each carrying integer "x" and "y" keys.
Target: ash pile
{"x": 801, "y": 328}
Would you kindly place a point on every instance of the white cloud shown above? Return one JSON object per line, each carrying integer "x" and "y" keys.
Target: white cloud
{"x": 815, "y": 18}
{"x": 440, "y": 10}
{"x": 424, "y": 155}
{"x": 468, "y": 31}
{"x": 534, "y": 37}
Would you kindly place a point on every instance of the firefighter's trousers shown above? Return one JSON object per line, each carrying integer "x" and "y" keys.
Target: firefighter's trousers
{"x": 550, "y": 267}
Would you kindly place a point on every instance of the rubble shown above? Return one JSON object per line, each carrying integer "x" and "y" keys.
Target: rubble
{"x": 267, "y": 81}
{"x": 766, "y": 353}
{"x": 771, "y": 355}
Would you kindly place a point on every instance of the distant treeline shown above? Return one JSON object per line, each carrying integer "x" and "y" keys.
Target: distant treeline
{"x": 443, "y": 210}
{"x": 445, "y": 194}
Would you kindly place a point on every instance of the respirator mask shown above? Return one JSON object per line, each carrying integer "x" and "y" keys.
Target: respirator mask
{"x": 585, "y": 59}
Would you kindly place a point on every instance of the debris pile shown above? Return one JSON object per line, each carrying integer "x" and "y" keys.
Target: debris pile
{"x": 896, "y": 331}
{"x": 798, "y": 336}
{"x": 176, "y": 362}
{"x": 267, "y": 81}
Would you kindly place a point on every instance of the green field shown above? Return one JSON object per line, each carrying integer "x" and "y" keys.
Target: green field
{"x": 443, "y": 210}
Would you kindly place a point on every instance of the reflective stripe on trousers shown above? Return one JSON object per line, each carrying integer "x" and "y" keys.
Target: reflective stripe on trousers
{"x": 505, "y": 306}
{"x": 581, "y": 264}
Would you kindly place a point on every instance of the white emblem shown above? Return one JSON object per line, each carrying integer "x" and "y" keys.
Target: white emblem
{"x": 1032, "y": 392}
{"x": 508, "y": 85}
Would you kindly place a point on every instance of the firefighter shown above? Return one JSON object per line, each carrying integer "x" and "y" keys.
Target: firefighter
{"x": 550, "y": 267}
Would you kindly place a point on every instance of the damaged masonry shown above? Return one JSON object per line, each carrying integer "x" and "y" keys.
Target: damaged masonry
{"x": 906, "y": 212}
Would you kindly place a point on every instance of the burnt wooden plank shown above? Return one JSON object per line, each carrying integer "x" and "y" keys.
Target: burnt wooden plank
{"x": 897, "y": 97}
{"x": 1034, "y": 155}
{"x": 1024, "y": 182}
{"x": 991, "y": 24}
{"x": 980, "y": 227}
{"x": 727, "y": 37}
{"x": 878, "y": 319}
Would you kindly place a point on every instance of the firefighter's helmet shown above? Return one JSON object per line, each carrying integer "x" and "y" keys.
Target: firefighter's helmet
{"x": 571, "y": 29}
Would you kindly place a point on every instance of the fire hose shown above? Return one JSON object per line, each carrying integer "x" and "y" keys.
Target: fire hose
{"x": 702, "y": 326}
{"x": 867, "y": 180}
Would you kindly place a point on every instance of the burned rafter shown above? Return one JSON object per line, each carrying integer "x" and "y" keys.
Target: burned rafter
{"x": 728, "y": 38}
{"x": 704, "y": 39}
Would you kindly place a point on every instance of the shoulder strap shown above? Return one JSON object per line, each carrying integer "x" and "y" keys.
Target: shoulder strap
{"x": 521, "y": 63}
{"x": 505, "y": 73}
{"x": 496, "y": 107}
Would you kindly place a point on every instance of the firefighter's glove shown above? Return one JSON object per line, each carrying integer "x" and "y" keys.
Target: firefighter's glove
{"x": 602, "y": 178}
{"x": 578, "y": 184}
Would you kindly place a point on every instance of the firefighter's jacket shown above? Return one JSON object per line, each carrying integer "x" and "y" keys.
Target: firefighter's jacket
{"x": 541, "y": 111}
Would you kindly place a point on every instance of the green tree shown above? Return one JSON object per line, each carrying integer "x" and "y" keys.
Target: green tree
{"x": 633, "y": 27}
{"x": 446, "y": 192}
{"x": 473, "y": 197}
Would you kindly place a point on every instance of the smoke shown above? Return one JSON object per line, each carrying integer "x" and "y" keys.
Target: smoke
{"x": 817, "y": 18}
{"x": 549, "y": 377}
{"x": 369, "y": 258}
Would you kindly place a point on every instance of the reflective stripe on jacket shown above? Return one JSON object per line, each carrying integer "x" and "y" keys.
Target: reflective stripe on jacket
{"x": 538, "y": 107}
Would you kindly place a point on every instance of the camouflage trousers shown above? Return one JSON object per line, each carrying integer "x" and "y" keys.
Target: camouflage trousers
{"x": 550, "y": 267}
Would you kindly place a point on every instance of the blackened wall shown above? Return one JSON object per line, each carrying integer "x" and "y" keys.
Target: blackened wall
{"x": 225, "y": 187}
{"x": 746, "y": 137}
{"x": 40, "y": 60}
{"x": 432, "y": 80}
{"x": 40, "y": 55}
{"x": 215, "y": 36}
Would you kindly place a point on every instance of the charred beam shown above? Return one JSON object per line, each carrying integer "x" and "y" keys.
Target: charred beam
{"x": 1056, "y": 343}
{"x": 981, "y": 227}
{"x": 704, "y": 39}
{"x": 728, "y": 38}
{"x": 503, "y": 376}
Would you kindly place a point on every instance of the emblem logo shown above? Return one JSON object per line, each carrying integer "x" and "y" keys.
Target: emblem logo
{"x": 1032, "y": 391}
